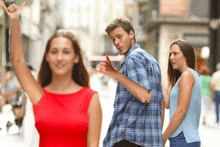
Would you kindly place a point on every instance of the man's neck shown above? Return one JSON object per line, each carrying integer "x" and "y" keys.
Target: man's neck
{"x": 133, "y": 44}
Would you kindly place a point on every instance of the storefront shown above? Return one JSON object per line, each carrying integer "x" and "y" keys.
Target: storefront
{"x": 198, "y": 41}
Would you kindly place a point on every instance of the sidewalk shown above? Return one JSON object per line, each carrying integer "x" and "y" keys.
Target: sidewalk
{"x": 6, "y": 139}
{"x": 210, "y": 133}
{"x": 28, "y": 136}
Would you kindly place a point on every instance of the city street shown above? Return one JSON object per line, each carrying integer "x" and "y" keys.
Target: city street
{"x": 28, "y": 137}
{"x": 154, "y": 25}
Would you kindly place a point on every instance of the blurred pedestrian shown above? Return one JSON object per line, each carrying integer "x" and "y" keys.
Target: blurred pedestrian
{"x": 137, "y": 118}
{"x": 7, "y": 76}
{"x": 215, "y": 88}
{"x": 206, "y": 92}
{"x": 12, "y": 88}
{"x": 67, "y": 112}
{"x": 184, "y": 99}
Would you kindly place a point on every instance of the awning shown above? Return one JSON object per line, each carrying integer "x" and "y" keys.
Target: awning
{"x": 102, "y": 58}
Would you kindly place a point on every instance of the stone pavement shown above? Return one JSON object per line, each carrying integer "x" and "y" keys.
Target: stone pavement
{"x": 28, "y": 136}
{"x": 210, "y": 133}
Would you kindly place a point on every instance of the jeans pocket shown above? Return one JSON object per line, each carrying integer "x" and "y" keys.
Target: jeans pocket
{"x": 174, "y": 142}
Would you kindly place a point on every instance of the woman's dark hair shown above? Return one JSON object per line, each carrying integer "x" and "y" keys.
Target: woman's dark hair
{"x": 79, "y": 73}
{"x": 189, "y": 54}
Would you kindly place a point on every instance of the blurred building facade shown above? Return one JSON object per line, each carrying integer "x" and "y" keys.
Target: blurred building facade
{"x": 87, "y": 20}
{"x": 166, "y": 21}
{"x": 38, "y": 23}
{"x": 39, "y": 19}
{"x": 157, "y": 24}
{"x": 214, "y": 34}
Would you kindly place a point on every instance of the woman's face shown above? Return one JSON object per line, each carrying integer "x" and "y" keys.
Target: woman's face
{"x": 177, "y": 58}
{"x": 61, "y": 56}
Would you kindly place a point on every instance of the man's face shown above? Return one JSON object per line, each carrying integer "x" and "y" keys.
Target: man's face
{"x": 121, "y": 40}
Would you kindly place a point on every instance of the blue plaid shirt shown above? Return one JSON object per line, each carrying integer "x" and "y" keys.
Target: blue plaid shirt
{"x": 132, "y": 119}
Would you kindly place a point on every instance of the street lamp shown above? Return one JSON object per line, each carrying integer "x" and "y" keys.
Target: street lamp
{"x": 205, "y": 52}
{"x": 214, "y": 23}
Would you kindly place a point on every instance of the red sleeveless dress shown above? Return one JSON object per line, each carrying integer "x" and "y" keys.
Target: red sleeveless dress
{"x": 62, "y": 119}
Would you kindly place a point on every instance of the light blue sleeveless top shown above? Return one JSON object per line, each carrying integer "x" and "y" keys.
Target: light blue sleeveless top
{"x": 190, "y": 123}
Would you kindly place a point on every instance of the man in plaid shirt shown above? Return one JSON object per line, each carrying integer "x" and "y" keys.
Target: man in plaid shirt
{"x": 138, "y": 108}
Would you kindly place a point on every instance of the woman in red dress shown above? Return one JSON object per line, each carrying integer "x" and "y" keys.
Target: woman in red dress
{"x": 67, "y": 112}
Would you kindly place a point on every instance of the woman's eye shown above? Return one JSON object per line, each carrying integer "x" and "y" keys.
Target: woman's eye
{"x": 53, "y": 52}
{"x": 66, "y": 52}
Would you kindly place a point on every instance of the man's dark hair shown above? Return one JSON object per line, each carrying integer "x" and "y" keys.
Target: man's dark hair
{"x": 124, "y": 22}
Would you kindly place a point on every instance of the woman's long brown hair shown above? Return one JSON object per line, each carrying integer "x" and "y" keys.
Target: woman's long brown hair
{"x": 79, "y": 73}
{"x": 189, "y": 54}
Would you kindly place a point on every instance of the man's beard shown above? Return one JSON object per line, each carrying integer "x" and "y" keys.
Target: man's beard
{"x": 129, "y": 47}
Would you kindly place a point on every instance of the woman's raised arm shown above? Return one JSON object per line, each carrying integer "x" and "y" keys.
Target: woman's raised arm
{"x": 26, "y": 79}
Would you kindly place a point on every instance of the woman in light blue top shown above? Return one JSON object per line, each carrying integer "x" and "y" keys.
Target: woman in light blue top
{"x": 184, "y": 99}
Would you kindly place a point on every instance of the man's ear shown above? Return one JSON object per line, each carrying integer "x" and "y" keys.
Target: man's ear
{"x": 131, "y": 34}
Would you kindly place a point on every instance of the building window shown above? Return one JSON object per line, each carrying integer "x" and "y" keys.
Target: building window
{"x": 171, "y": 7}
{"x": 199, "y": 9}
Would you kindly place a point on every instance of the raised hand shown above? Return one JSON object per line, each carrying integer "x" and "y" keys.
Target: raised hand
{"x": 106, "y": 68}
{"x": 13, "y": 10}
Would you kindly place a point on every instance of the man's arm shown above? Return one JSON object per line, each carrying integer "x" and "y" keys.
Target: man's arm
{"x": 142, "y": 94}
{"x": 212, "y": 88}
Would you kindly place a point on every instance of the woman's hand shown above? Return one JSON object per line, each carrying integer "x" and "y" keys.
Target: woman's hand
{"x": 106, "y": 68}
{"x": 164, "y": 140}
{"x": 13, "y": 10}
{"x": 166, "y": 96}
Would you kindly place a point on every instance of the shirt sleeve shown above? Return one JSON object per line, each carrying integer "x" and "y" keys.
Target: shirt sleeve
{"x": 138, "y": 72}
{"x": 161, "y": 96}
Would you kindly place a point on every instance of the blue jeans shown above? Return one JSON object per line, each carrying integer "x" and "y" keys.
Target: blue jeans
{"x": 180, "y": 141}
{"x": 217, "y": 101}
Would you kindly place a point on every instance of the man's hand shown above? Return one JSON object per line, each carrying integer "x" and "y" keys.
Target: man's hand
{"x": 13, "y": 10}
{"x": 106, "y": 68}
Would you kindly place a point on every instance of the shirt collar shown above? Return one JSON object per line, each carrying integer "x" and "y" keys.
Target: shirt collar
{"x": 136, "y": 46}
{"x": 132, "y": 49}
